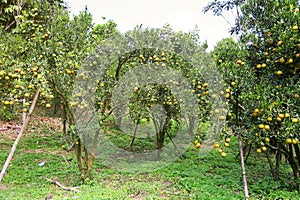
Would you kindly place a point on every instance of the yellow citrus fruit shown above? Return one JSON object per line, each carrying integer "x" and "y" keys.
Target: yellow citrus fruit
{"x": 264, "y": 148}
{"x": 258, "y": 66}
{"x": 226, "y": 144}
{"x": 267, "y": 127}
{"x": 227, "y": 139}
{"x": 223, "y": 154}
{"x": 239, "y": 62}
{"x": 267, "y": 139}
{"x": 279, "y": 72}
{"x": 269, "y": 119}
{"x": 288, "y": 141}
{"x": 258, "y": 150}
{"x": 290, "y": 60}
{"x": 294, "y": 120}
{"x": 216, "y": 145}
{"x": 295, "y": 141}
{"x": 281, "y": 116}
{"x": 261, "y": 126}
{"x": 278, "y": 119}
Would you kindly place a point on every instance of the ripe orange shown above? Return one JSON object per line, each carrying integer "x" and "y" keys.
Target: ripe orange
{"x": 290, "y": 60}
{"x": 223, "y": 154}
{"x": 258, "y": 66}
{"x": 216, "y": 145}
{"x": 258, "y": 150}
{"x": 267, "y": 127}
{"x": 281, "y": 60}
{"x": 261, "y": 126}
{"x": 295, "y": 141}
{"x": 281, "y": 116}
{"x": 279, "y": 72}
{"x": 227, "y": 140}
{"x": 288, "y": 141}
{"x": 239, "y": 62}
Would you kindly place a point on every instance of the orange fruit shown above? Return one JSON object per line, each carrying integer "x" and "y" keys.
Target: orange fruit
{"x": 223, "y": 154}
{"x": 258, "y": 150}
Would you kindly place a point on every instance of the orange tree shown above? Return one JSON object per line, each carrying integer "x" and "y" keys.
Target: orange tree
{"x": 273, "y": 49}
{"x": 140, "y": 72}
{"x": 267, "y": 77}
{"x": 37, "y": 54}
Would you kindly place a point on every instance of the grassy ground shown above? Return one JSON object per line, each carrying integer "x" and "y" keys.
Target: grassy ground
{"x": 190, "y": 177}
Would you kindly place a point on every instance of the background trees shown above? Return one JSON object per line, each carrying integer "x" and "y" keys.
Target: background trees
{"x": 267, "y": 74}
{"x": 261, "y": 70}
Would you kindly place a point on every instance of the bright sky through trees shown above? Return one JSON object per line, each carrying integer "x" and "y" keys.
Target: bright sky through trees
{"x": 181, "y": 14}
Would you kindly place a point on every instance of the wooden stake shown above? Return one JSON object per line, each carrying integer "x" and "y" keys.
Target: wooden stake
{"x": 24, "y": 125}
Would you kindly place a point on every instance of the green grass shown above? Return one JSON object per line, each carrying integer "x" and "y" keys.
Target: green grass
{"x": 190, "y": 177}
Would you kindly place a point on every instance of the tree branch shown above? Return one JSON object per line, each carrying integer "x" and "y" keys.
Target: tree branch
{"x": 61, "y": 186}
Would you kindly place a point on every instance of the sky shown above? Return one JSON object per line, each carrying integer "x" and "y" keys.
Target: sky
{"x": 182, "y": 15}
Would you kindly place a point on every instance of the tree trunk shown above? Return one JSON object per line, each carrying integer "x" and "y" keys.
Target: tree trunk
{"x": 271, "y": 165}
